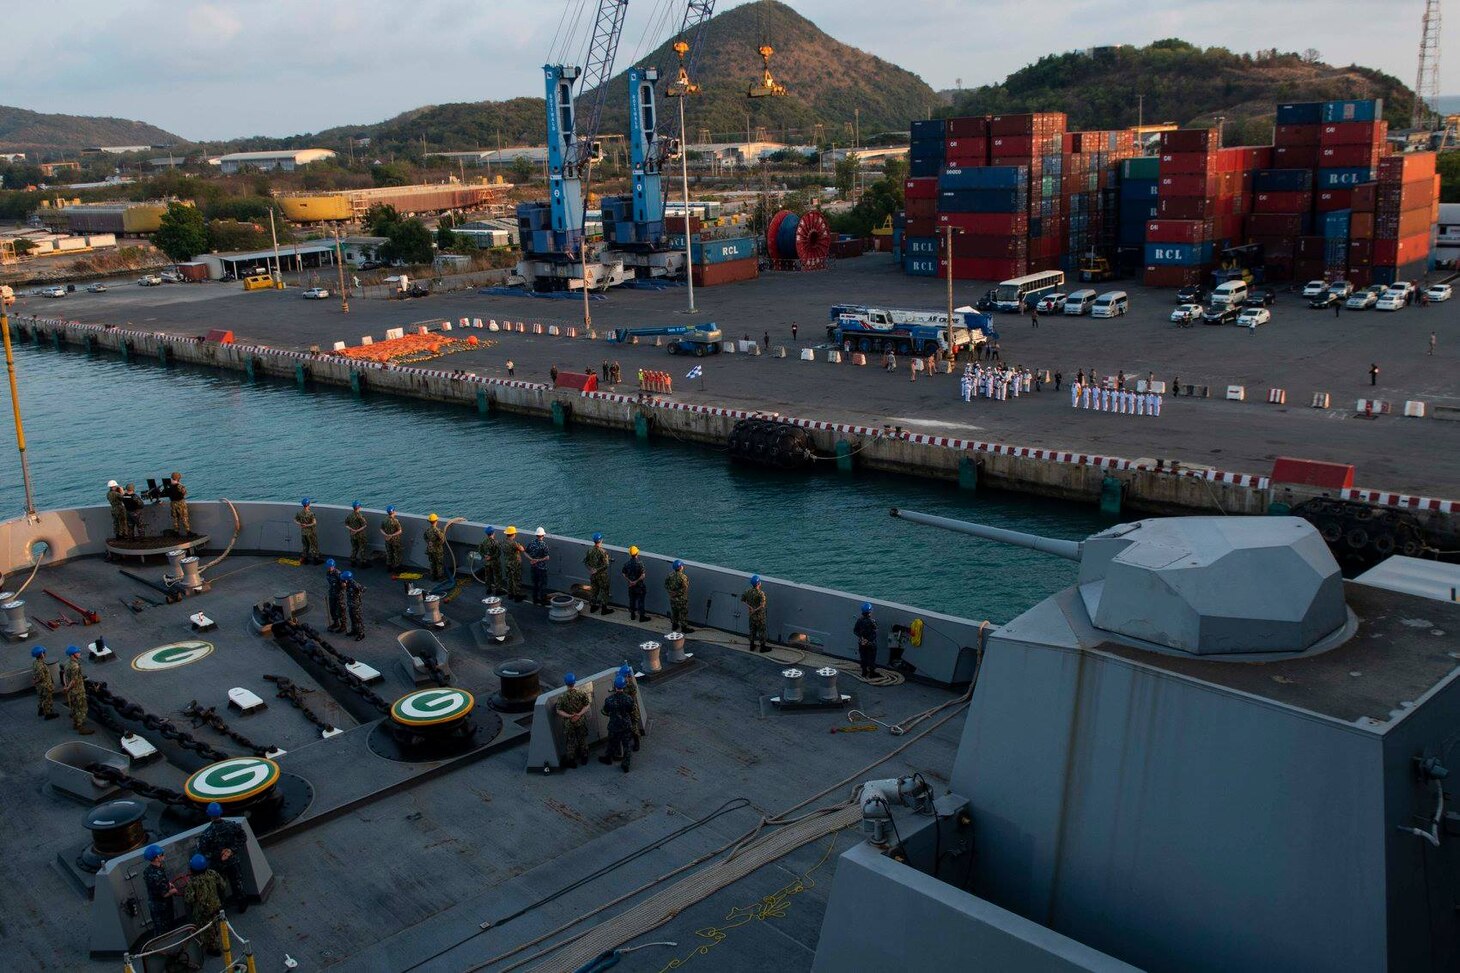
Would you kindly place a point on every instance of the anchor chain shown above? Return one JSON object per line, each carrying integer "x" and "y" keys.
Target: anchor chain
{"x": 333, "y": 661}
{"x": 127, "y": 710}
{"x": 208, "y": 716}
{"x": 140, "y": 787}
{"x": 295, "y": 695}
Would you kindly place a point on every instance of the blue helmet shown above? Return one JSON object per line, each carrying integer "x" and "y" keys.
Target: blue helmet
{"x": 152, "y": 852}
{"x": 355, "y": 505}
{"x": 72, "y": 650}
{"x": 678, "y": 564}
{"x": 597, "y": 537}
{"x": 215, "y": 810}
{"x": 619, "y": 682}
{"x": 491, "y": 530}
{"x": 38, "y": 651}
{"x": 866, "y": 608}
{"x": 569, "y": 679}
{"x": 197, "y": 863}
{"x": 390, "y": 509}
{"x": 304, "y": 502}
{"x": 347, "y": 575}
{"x": 754, "y": 579}
{"x": 329, "y": 563}
{"x": 625, "y": 670}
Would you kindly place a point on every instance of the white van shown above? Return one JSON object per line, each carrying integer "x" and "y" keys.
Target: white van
{"x": 1111, "y": 304}
{"x": 1079, "y": 302}
{"x": 1232, "y": 293}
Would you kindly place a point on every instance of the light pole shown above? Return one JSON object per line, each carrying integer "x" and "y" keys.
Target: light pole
{"x": 948, "y": 249}
{"x": 340, "y": 263}
{"x": 689, "y": 268}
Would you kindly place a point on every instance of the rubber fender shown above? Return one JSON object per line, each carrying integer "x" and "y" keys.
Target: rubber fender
{"x": 1357, "y": 538}
{"x": 915, "y": 632}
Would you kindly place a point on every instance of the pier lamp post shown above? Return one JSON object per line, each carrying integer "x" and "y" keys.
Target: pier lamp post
{"x": 948, "y": 252}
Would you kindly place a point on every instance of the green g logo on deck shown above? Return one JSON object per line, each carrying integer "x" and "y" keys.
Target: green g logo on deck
{"x": 232, "y": 780}
{"x": 429, "y": 706}
{"x": 171, "y": 656}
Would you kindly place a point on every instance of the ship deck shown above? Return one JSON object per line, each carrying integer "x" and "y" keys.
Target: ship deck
{"x": 392, "y": 863}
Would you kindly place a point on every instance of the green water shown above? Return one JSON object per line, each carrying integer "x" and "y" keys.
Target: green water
{"x": 91, "y": 418}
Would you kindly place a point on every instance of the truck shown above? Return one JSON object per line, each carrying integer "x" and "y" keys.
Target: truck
{"x": 857, "y": 327}
{"x": 698, "y": 340}
{"x": 7, "y": 295}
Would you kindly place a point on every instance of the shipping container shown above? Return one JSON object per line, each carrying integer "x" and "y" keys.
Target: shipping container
{"x": 1361, "y": 226}
{"x": 1173, "y": 163}
{"x": 1147, "y": 167}
{"x": 1406, "y": 223}
{"x": 1295, "y": 156}
{"x": 1285, "y": 135}
{"x": 921, "y": 188}
{"x": 986, "y": 177}
{"x": 928, "y": 150}
{"x": 1178, "y": 254}
{"x": 1408, "y": 167}
{"x": 1010, "y": 147}
{"x": 1178, "y": 231}
{"x": 922, "y": 208}
{"x": 1348, "y": 156}
{"x": 1345, "y": 178}
{"x": 1352, "y": 133}
{"x": 966, "y": 152}
{"x": 1194, "y": 207}
{"x": 713, "y": 275}
{"x": 722, "y": 251}
{"x": 1333, "y": 225}
{"x": 982, "y": 200}
{"x": 1328, "y": 200}
{"x": 921, "y": 246}
{"x": 920, "y": 266}
{"x": 992, "y": 247}
{"x": 1402, "y": 251}
{"x": 1198, "y": 140}
{"x": 974, "y": 126}
{"x": 1142, "y": 189}
{"x": 920, "y": 226}
{"x": 1195, "y": 184}
{"x": 1282, "y": 180}
{"x": 1278, "y": 224}
{"x": 1402, "y": 197}
{"x": 1366, "y": 110}
{"x": 927, "y": 128}
{"x": 1360, "y": 253}
{"x": 983, "y": 268}
{"x": 924, "y": 167}
{"x": 1300, "y": 113}
{"x": 1365, "y": 197}
{"x": 1162, "y": 276}
{"x": 987, "y": 223}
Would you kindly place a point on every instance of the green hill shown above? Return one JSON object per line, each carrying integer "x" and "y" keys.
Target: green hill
{"x": 46, "y": 135}
{"x": 1183, "y": 83}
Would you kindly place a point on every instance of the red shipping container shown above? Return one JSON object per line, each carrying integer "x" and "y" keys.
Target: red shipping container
{"x": 1193, "y": 207}
{"x": 1189, "y": 140}
{"x": 1295, "y": 157}
{"x": 967, "y": 152}
{"x": 1349, "y": 133}
{"x": 1399, "y": 225}
{"x": 1330, "y": 476}
{"x": 921, "y": 187}
{"x": 1408, "y": 167}
{"x": 1227, "y": 228}
{"x": 730, "y": 272}
{"x": 1348, "y": 156}
{"x": 1285, "y": 135}
{"x": 582, "y": 381}
{"x": 1192, "y": 184}
{"x": 972, "y": 126}
{"x": 1256, "y": 157}
{"x": 993, "y": 247}
{"x": 1310, "y": 247}
{"x": 1365, "y": 197}
{"x": 1175, "y": 163}
{"x": 1360, "y": 277}
{"x": 1328, "y": 200}
{"x": 922, "y": 208}
{"x": 1010, "y": 147}
{"x": 1275, "y": 224}
{"x": 1310, "y": 269}
{"x": 1361, "y": 226}
{"x": 1360, "y": 253}
{"x": 1282, "y": 202}
{"x": 1275, "y": 248}
{"x": 1070, "y": 143}
{"x": 988, "y": 224}
{"x": 1401, "y": 197}
{"x": 979, "y": 268}
{"x": 1178, "y": 231}
{"x": 919, "y": 226}
{"x": 1171, "y": 276}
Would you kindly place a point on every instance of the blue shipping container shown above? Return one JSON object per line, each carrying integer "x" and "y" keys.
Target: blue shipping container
{"x": 1282, "y": 180}
{"x": 982, "y": 200}
{"x": 1343, "y": 178}
{"x": 983, "y": 177}
{"x": 1367, "y": 110}
{"x": 920, "y": 266}
{"x": 1300, "y": 113}
{"x": 921, "y": 246}
{"x": 927, "y": 150}
{"x": 1178, "y": 254}
{"x": 1334, "y": 224}
{"x": 927, "y": 128}
{"x": 1138, "y": 189}
{"x": 922, "y": 168}
{"x": 723, "y": 251}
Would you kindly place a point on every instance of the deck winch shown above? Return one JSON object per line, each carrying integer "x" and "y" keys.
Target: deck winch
{"x": 116, "y": 827}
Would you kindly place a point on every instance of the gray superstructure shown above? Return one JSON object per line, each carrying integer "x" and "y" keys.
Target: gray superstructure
{"x": 1212, "y": 753}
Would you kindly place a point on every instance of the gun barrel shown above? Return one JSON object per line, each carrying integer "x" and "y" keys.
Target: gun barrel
{"x": 1069, "y": 550}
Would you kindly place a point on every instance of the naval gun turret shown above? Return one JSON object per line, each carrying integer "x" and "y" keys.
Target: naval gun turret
{"x": 1207, "y": 586}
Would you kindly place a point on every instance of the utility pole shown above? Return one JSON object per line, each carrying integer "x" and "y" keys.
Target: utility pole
{"x": 1221, "y": 124}
{"x": 583, "y": 256}
{"x": 340, "y": 263}
{"x": 278, "y": 269}
{"x": 948, "y": 249}
{"x": 15, "y": 407}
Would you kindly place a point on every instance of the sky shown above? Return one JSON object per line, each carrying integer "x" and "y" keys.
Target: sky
{"x": 206, "y": 69}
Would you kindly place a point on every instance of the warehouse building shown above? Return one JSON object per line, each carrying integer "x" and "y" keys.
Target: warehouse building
{"x": 285, "y": 160}
{"x": 310, "y": 255}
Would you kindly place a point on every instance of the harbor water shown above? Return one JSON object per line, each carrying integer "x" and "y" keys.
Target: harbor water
{"x": 91, "y": 418}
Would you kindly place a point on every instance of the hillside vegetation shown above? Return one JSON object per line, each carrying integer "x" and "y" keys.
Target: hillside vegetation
{"x": 33, "y": 132}
{"x": 1183, "y": 83}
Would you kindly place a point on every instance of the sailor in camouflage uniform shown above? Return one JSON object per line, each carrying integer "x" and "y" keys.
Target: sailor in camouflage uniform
{"x": 359, "y": 545}
{"x": 512, "y": 564}
{"x": 754, "y": 599}
{"x": 335, "y": 597}
{"x": 572, "y": 709}
{"x": 73, "y": 684}
{"x": 491, "y": 552}
{"x": 308, "y": 538}
{"x": 355, "y": 603}
{"x": 677, "y": 584}
{"x": 435, "y": 547}
{"x": 597, "y": 562}
{"x": 619, "y": 709}
{"x": 160, "y": 890}
{"x": 631, "y": 687}
{"x": 119, "y": 510}
{"x": 204, "y": 897}
{"x": 224, "y": 843}
{"x": 179, "y": 506}
{"x": 45, "y": 686}
{"x": 391, "y": 530}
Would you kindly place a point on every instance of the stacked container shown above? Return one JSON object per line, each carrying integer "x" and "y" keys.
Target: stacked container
{"x": 1089, "y": 194}
{"x": 925, "y": 157}
{"x": 1138, "y": 185}
{"x": 1404, "y": 214}
{"x": 1179, "y": 240}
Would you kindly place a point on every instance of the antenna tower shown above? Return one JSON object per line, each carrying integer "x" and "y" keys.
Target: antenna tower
{"x": 1427, "y": 80}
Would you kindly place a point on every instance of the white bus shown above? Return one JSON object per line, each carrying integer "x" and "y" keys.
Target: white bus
{"x": 1013, "y": 295}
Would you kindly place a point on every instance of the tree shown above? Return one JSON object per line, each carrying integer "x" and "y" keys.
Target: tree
{"x": 846, "y": 175}
{"x": 408, "y": 241}
{"x": 445, "y": 239}
{"x": 380, "y": 218}
{"x": 1448, "y": 164}
{"x": 183, "y": 233}
{"x": 232, "y": 235}
{"x": 522, "y": 170}
{"x": 393, "y": 174}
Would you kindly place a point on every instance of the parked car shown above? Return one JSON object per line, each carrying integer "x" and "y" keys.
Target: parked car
{"x": 419, "y": 290}
{"x": 1439, "y": 292}
{"x": 1185, "y": 313}
{"x": 1191, "y": 294}
{"x": 1362, "y": 300}
{"x": 1260, "y": 297}
{"x": 1341, "y": 289}
{"x": 97, "y": 288}
{"x": 1405, "y": 286}
{"x": 1051, "y": 304}
{"x": 1220, "y": 314}
{"x": 171, "y": 277}
{"x": 1315, "y": 287}
{"x": 315, "y": 294}
{"x": 1111, "y": 304}
{"x": 1253, "y": 316}
{"x": 53, "y": 292}
{"x": 149, "y": 280}
{"x": 1079, "y": 303}
{"x": 371, "y": 265}
{"x": 1391, "y": 300}
{"x": 1322, "y": 300}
